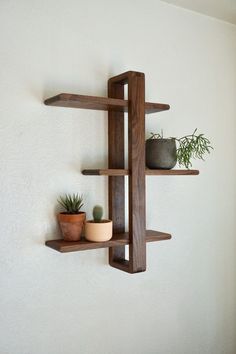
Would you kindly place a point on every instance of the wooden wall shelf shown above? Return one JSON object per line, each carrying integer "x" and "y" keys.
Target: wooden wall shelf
{"x": 116, "y": 105}
{"x": 117, "y": 240}
{"x": 99, "y": 103}
{"x": 148, "y": 172}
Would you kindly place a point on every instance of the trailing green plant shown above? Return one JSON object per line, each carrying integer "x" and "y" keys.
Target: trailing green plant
{"x": 193, "y": 146}
{"x": 97, "y": 213}
{"x": 72, "y": 203}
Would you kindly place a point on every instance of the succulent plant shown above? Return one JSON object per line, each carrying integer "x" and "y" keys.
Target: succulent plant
{"x": 97, "y": 213}
{"x": 72, "y": 203}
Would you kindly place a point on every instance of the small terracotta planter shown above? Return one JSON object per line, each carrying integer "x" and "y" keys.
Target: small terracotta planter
{"x": 98, "y": 231}
{"x": 71, "y": 225}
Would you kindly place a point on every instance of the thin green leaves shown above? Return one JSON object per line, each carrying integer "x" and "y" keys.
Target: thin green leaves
{"x": 156, "y": 136}
{"x": 72, "y": 203}
{"x": 192, "y": 147}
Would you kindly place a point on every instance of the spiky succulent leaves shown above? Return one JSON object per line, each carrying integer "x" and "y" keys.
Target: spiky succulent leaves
{"x": 192, "y": 147}
{"x": 97, "y": 213}
{"x": 72, "y": 203}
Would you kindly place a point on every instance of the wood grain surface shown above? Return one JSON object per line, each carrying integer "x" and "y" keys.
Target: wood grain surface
{"x": 120, "y": 239}
{"x": 99, "y": 103}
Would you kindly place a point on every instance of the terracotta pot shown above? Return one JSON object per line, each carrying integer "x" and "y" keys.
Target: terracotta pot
{"x": 98, "y": 231}
{"x": 71, "y": 225}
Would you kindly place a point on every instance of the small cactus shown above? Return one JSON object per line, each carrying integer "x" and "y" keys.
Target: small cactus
{"x": 97, "y": 213}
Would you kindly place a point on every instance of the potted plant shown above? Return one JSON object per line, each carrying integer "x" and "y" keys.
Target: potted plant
{"x": 98, "y": 229}
{"x": 72, "y": 220}
{"x": 162, "y": 153}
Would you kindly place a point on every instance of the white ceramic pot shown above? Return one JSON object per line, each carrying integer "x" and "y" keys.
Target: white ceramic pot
{"x": 98, "y": 231}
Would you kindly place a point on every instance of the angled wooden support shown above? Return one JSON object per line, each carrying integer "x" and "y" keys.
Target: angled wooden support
{"x": 136, "y": 161}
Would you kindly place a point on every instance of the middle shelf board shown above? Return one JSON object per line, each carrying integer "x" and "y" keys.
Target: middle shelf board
{"x": 148, "y": 172}
{"x": 117, "y": 240}
{"x": 99, "y": 103}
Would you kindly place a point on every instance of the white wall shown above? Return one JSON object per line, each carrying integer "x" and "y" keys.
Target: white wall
{"x": 75, "y": 303}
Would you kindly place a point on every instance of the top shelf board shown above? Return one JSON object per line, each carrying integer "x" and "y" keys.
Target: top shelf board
{"x": 99, "y": 103}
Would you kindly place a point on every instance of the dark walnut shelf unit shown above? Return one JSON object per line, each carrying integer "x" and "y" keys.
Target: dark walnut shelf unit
{"x": 116, "y": 105}
{"x": 117, "y": 240}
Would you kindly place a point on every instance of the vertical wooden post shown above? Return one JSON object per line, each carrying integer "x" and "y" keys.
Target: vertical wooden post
{"x": 116, "y": 159}
{"x": 136, "y": 156}
{"x": 136, "y": 135}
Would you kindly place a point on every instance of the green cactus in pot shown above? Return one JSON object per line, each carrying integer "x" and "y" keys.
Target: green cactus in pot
{"x": 97, "y": 213}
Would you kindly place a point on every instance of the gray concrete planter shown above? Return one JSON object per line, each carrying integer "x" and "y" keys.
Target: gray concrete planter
{"x": 161, "y": 153}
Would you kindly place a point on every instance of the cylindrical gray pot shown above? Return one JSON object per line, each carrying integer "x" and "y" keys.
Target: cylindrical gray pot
{"x": 161, "y": 153}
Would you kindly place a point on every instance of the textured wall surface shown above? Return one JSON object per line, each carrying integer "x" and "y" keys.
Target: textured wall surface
{"x": 75, "y": 303}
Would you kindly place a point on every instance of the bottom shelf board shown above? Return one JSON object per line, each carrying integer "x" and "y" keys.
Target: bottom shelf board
{"x": 117, "y": 240}
{"x": 148, "y": 172}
